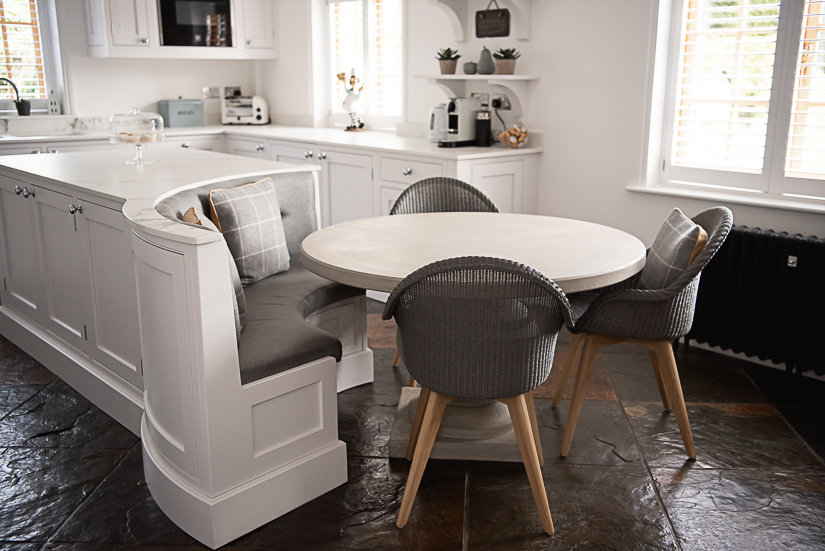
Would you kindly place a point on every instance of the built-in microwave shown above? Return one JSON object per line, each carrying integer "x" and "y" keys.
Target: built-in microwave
{"x": 195, "y": 23}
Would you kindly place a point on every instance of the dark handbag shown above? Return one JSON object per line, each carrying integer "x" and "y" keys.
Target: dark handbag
{"x": 492, "y": 23}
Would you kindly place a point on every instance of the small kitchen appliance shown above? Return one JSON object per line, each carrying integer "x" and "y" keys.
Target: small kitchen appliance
{"x": 181, "y": 112}
{"x": 438, "y": 123}
{"x": 240, "y": 109}
{"x": 461, "y": 122}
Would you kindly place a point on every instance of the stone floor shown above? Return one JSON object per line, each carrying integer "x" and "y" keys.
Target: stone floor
{"x": 71, "y": 478}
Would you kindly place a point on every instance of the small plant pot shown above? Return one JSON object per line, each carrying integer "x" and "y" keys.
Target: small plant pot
{"x": 448, "y": 66}
{"x": 24, "y": 107}
{"x": 505, "y": 66}
{"x": 470, "y": 68}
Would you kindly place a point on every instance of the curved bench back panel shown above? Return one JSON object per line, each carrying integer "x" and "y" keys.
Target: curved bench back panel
{"x": 296, "y": 196}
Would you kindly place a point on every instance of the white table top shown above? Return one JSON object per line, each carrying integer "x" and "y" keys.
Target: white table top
{"x": 377, "y": 253}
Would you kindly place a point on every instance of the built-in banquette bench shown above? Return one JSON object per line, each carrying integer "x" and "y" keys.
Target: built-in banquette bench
{"x": 238, "y": 431}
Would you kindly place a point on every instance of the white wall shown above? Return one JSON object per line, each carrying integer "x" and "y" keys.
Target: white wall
{"x": 102, "y": 87}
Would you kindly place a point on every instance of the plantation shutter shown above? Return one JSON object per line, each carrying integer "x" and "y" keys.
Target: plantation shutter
{"x": 22, "y": 55}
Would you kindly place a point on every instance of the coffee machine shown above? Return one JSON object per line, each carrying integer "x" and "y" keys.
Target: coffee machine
{"x": 461, "y": 122}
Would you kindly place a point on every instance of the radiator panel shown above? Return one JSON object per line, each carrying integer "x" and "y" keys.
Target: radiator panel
{"x": 751, "y": 301}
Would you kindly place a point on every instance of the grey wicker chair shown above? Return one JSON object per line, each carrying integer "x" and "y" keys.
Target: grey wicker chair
{"x": 647, "y": 318}
{"x": 477, "y": 328}
{"x": 439, "y": 195}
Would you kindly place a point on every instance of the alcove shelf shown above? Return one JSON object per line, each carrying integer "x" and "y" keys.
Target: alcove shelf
{"x": 515, "y": 86}
{"x": 462, "y": 20}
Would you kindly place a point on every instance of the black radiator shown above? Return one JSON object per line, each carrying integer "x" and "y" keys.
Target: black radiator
{"x": 763, "y": 294}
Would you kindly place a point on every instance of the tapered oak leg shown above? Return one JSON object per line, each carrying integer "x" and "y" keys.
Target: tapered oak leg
{"x": 662, "y": 390}
{"x": 396, "y": 359}
{"x": 670, "y": 378}
{"x": 419, "y": 418}
{"x": 521, "y": 425}
{"x": 569, "y": 356}
{"x": 534, "y": 424}
{"x": 591, "y": 346}
{"x": 413, "y": 382}
{"x": 432, "y": 420}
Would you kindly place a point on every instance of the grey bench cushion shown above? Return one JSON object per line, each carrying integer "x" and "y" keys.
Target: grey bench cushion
{"x": 276, "y": 336}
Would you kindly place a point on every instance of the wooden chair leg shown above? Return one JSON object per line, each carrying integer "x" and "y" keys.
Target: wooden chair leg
{"x": 534, "y": 424}
{"x": 591, "y": 346}
{"x": 521, "y": 425}
{"x": 670, "y": 378}
{"x": 413, "y": 382}
{"x": 658, "y": 372}
{"x": 396, "y": 359}
{"x": 432, "y": 420}
{"x": 419, "y": 418}
{"x": 576, "y": 342}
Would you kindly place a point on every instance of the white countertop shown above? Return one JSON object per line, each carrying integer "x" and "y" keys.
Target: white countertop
{"x": 331, "y": 137}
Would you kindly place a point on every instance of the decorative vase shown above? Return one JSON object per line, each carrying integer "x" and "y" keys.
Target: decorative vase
{"x": 505, "y": 66}
{"x": 470, "y": 68}
{"x": 485, "y": 63}
{"x": 448, "y": 66}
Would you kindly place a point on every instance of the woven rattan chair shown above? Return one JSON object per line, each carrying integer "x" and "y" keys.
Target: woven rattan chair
{"x": 477, "y": 328}
{"x": 439, "y": 195}
{"x": 648, "y": 318}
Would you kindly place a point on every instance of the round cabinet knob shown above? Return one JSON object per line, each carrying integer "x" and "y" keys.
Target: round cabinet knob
{"x": 185, "y": 145}
{"x": 259, "y": 147}
{"x": 36, "y": 152}
{"x": 53, "y": 151}
{"x": 322, "y": 155}
{"x": 144, "y": 41}
{"x": 26, "y": 192}
{"x": 72, "y": 209}
{"x": 18, "y": 190}
{"x": 308, "y": 154}
{"x": 250, "y": 42}
{"x": 407, "y": 171}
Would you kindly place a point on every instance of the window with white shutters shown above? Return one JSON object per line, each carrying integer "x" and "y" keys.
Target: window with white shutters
{"x": 746, "y": 94}
{"x": 21, "y": 59}
{"x": 366, "y": 37}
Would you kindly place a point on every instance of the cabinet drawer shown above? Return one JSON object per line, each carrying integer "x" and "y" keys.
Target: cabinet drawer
{"x": 246, "y": 148}
{"x": 408, "y": 172}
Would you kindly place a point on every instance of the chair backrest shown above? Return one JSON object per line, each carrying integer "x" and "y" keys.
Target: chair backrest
{"x": 442, "y": 195}
{"x": 477, "y": 327}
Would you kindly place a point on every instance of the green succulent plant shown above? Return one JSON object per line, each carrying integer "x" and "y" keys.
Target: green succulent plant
{"x": 448, "y": 54}
{"x": 507, "y": 53}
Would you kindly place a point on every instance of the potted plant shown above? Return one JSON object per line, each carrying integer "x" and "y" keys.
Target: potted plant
{"x": 506, "y": 60}
{"x": 23, "y": 106}
{"x": 448, "y": 59}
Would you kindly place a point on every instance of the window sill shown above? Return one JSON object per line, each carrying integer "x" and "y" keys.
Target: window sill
{"x": 776, "y": 202}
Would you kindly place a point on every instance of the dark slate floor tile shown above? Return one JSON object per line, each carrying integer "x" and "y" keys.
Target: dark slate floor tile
{"x": 362, "y": 513}
{"x": 6, "y": 546}
{"x": 593, "y": 508}
{"x": 632, "y": 377}
{"x": 388, "y": 380}
{"x": 727, "y": 436}
{"x": 12, "y": 396}
{"x": 121, "y": 511}
{"x": 39, "y": 488}
{"x": 710, "y": 377}
{"x": 603, "y": 436}
{"x": 381, "y": 333}
{"x": 754, "y": 510}
{"x": 59, "y": 417}
{"x": 17, "y": 367}
{"x": 785, "y": 389}
{"x": 122, "y": 547}
{"x": 809, "y": 422}
{"x": 598, "y": 388}
{"x": 365, "y": 422}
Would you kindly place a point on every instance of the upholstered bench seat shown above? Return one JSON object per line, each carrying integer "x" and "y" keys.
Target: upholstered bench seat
{"x": 276, "y": 335}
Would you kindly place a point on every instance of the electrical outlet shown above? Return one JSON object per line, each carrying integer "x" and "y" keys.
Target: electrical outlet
{"x": 485, "y": 98}
{"x": 501, "y": 102}
{"x": 210, "y": 92}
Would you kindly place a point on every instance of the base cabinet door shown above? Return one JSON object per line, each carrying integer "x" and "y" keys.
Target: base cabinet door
{"x": 348, "y": 179}
{"x": 63, "y": 289}
{"x": 388, "y": 194}
{"x": 20, "y": 288}
{"x": 112, "y": 325}
{"x": 503, "y": 183}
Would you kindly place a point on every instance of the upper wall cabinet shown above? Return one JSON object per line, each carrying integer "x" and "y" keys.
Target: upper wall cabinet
{"x": 135, "y": 28}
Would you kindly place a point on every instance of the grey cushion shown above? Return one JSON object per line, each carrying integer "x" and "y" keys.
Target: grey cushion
{"x": 296, "y": 197}
{"x": 276, "y": 335}
{"x": 671, "y": 251}
{"x": 249, "y": 217}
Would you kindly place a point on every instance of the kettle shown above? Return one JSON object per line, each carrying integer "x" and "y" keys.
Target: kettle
{"x": 438, "y": 123}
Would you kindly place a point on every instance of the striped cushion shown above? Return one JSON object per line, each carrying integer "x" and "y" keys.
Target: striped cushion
{"x": 250, "y": 219}
{"x": 672, "y": 251}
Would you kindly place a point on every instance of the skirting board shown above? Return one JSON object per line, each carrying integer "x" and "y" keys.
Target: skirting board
{"x": 217, "y": 521}
{"x": 355, "y": 369}
{"x": 113, "y": 395}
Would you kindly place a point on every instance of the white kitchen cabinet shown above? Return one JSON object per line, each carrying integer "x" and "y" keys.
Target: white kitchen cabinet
{"x": 21, "y": 289}
{"x": 18, "y": 149}
{"x": 112, "y": 321}
{"x": 297, "y": 153}
{"x": 129, "y": 22}
{"x": 258, "y": 23}
{"x": 63, "y": 291}
{"x": 407, "y": 170}
{"x": 204, "y": 143}
{"x": 503, "y": 182}
{"x": 347, "y": 182}
{"x": 246, "y": 147}
{"x": 388, "y": 194}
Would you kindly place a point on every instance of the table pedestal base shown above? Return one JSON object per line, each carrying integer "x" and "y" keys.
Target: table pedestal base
{"x": 477, "y": 430}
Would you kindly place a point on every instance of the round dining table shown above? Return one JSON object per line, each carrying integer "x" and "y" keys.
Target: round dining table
{"x": 378, "y": 253}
